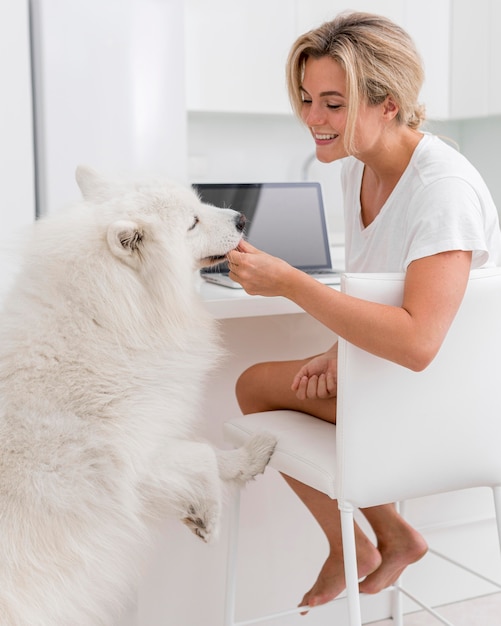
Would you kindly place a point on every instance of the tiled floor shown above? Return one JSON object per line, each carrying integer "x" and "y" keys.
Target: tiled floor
{"x": 484, "y": 611}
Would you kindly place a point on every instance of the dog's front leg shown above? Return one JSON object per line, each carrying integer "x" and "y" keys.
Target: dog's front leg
{"x": 244, "y": 463}
{"x": 186, "y": 478}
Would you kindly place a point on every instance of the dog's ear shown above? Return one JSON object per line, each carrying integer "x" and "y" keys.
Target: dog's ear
{"x": 125, "y": 239}
{"x": 92, "y": 184}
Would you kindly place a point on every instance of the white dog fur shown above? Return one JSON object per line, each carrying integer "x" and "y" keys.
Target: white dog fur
{"x": 104, "y": 350}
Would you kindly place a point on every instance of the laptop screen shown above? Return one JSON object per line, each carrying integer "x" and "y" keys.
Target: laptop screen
{"x": 286, "y": 220}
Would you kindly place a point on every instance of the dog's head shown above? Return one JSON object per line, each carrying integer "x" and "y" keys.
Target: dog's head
{"x": 161, "y": 216}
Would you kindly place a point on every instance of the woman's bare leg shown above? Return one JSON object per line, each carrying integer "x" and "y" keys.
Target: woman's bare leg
{"x": 398, "y": 543}
{"x": 266, "y": 387}
{"x": 331, "y": 581}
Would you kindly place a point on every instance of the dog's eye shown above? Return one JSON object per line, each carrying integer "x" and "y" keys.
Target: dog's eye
{"x": 195, "y": 222}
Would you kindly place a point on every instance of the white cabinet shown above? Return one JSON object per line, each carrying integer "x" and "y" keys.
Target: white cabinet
{"x": 460, "y": 43}
{"x": 494, "y": 93}
{"x": 469, "y": 85}
{"x": 469, "y": 58}
{"x": 476, "y": 75}
{"x": 312, "y": 13}
{"x": 236, "y": 51}
{"x": 432, "y": 39}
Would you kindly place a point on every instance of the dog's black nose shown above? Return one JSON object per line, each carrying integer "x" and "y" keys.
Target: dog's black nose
{"x": 240, "y": 222}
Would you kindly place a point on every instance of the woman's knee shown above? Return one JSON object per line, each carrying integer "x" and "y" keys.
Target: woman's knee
{"x": 267, "y": 386}
{"x": 249, "y": 388}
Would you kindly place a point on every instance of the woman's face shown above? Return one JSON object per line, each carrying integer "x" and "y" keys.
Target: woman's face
{"x": 324, "y": 110}
{"x": 324, "y": 106}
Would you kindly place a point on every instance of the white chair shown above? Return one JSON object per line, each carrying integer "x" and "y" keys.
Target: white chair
{"x": 444, "y": 425}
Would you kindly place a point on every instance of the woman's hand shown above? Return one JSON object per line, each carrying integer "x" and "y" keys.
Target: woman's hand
{"x": 318, "y": 378}
{"x": 259, "y": 273}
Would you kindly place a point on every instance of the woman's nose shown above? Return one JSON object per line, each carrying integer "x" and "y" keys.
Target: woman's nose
{"x": 314, "y": 115}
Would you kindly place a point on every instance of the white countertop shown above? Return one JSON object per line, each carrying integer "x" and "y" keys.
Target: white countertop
{"x": 226, "y": 303}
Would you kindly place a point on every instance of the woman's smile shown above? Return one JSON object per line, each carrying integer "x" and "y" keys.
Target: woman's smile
{"x": 322, "y": 139}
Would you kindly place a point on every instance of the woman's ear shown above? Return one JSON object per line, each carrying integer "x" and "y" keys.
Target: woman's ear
{"x": 390, "y": 108}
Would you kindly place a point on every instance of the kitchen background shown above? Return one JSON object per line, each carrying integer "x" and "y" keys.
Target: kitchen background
{"x": 196, "y": 90}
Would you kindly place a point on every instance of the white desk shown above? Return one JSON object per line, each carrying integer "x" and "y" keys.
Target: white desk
{"x": 225, "y": 303}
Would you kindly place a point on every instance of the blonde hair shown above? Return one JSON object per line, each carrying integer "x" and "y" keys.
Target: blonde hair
{"x": 378, "y": 57}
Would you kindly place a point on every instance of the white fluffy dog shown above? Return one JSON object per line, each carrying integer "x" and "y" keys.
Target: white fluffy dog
{"x": 104, "y": 348}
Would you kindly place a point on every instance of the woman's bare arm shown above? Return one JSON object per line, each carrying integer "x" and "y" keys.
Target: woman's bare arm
{"x": 410, "y": 335}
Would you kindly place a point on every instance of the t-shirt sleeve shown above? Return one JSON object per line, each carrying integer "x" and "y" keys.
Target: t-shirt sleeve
{"x": 447, "y": 215}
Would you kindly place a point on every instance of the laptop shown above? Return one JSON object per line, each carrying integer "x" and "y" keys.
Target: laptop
{"x": 286, "y": 220}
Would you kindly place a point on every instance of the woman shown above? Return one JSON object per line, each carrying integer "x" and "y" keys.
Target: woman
{"x": 413, "y": 205}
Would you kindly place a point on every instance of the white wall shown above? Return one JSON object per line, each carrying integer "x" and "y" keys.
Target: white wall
{"x": 16, "y": 154}
{"x": 480, "y": 140}
{"x": 259, "y": 148}
{"x": 262, "y": 148}
{"x": 109, "y": 91}
{"x": 17, "y": 184}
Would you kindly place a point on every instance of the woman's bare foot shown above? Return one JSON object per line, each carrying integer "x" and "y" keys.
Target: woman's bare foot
{"x": 399, "y": 546}
{"x": 331, "y": 581}
{"x": 397, "y": 551}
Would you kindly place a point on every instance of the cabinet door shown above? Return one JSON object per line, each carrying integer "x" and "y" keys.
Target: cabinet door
{"x": 236, "y": 51}
{"x": 494, "y": 58}
{"x": 470, "y": 58}
{"x": 236, "y": 54}
{"x": 312, "y": 13}
{"x": 432, "y": 39}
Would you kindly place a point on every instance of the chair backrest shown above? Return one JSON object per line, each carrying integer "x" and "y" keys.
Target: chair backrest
{"x": 402, "y": 434}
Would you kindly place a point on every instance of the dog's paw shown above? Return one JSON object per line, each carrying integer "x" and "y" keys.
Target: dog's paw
{"x": 243, "y": 464}
{"x": 259, "y": 450}
{"x": 203, "y": 523}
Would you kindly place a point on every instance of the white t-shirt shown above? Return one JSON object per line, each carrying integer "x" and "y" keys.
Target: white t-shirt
{"x": 440, "y": 203}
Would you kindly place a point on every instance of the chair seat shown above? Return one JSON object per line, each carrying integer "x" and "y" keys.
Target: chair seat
{"x": 306, "y": 447}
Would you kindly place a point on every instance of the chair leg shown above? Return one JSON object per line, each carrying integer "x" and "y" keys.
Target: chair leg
{"x": 397, "y": 600}
{"x": 497, "y": 505}
{"x": 350, "y": 565}
{"x": 397, "y": 605}
{"x": 231, "y": 559}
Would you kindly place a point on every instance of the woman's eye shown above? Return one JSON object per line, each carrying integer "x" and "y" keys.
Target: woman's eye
{"x": 333, "y": 107}
{"x": 195, "y": 222}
